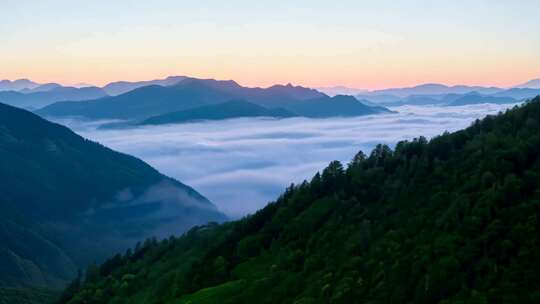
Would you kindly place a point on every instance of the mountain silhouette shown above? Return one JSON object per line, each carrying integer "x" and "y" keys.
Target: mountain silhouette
{"x": 145, "y": 102}
{"x": 120, "y": 87}
{"x": 17, "y": 85}
{"x": 67, "y": 202}
{"x": 229, "y": 109}
{"x": 38, "y": 98}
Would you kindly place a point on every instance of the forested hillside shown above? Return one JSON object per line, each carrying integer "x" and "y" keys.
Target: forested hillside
{"x": 450, "y": 220}
{"x": 67, "y": 202}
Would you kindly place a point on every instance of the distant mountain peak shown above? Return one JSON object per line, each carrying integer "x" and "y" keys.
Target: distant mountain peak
{"x": 213, "y": 83}
{"x": 533, "y": 84}
{"x": 17, "y": 85}
{"x": 176, "y": 77}
{"x": 431, "y": 85}
{"x": 340, "y": 90}
{"x": 433, "y": 89}
{"x": 121, "y": 87}
{"x": 298, "y": 92}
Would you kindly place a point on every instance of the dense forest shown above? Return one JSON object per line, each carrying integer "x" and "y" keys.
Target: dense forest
{"x": 451, "y": 220}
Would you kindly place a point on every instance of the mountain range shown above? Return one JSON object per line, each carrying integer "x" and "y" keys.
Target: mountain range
{"x": 23, "y": 93}
{"x": 450, "y": 220}
{"x": 44, "y": 95}
{"x": 67, "y": 202}
{"x": 42, "y": 88}
{"x": 121, "y": 87}
{"x": 16, "y": 85}
{"x": 189, "y": 94}
{"x": 434, "y": 89}
{"x": 440, "y": 100}
{"x": 533, "y": 84}
{"x": 438, "y": 94}
{"x": 453, "y": 219}
{"x": 509, "y": 96}
{"x": 468, "y": 99}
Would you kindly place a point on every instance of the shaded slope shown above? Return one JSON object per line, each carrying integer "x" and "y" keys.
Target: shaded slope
{"x": 67, "y": 201}
{"x": 452, "y": 220}
{"x": 35, "y": 100}
{"x": 226, "y": 110}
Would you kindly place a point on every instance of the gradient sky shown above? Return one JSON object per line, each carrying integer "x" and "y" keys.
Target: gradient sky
{"x": 363, "y": 44}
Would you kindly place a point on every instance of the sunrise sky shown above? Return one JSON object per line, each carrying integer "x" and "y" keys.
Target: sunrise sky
{"x": 362, "y": 44}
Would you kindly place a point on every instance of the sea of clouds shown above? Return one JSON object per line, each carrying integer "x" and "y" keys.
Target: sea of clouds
{"x": 241, "y": 164}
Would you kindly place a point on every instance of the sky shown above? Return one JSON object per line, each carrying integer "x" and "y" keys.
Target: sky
{"x": 362, "y": 44}
{"x": 254, "y": 160}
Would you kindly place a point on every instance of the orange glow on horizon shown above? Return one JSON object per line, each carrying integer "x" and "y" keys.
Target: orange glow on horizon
{"x": 362, "y": 82}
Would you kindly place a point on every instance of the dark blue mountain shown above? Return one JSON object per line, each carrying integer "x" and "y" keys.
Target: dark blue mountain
{"x": 38, "y": 99}
{"x": 478, "y": 99}
{"x": 434, "y": 89}
{"x": 146, "y": 102}
{"x": 17, "y": 85}
{"x": 121, "y": 87}
{"x": 140, "y": 103}
{"x": 519, "y": 93}
{"x": 226, "y": 110}
{"x": 453, "y": 99}
{"x": 67, "y": 201}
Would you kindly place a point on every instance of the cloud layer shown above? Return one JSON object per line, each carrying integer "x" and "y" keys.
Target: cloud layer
{"x": 242, "y": 164}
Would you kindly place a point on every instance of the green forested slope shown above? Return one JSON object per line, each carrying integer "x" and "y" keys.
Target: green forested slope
{"x": 452, "y": 220}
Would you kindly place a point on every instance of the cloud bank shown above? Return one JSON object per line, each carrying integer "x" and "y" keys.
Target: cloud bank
{"x": 242, "y": 164}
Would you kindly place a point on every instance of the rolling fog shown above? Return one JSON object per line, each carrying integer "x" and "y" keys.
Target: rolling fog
{"x": 241, "y": 164}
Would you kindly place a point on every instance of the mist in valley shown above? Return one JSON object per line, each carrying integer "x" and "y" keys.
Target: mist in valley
{"x": 242, "y": 164}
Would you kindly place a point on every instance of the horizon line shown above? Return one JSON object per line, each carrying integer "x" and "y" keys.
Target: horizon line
{"x": 328, "y": 86}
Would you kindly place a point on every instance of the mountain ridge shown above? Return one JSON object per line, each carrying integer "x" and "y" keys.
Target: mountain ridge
{"x": 144, "y": 102}
{"x": 67, "y": 202}
{"x": 36, "y": 98}
{"x": 226, "y": 110}
{"x": 532, "y": 84}
{"x": 433, "y": 88}
{"x": 121, "y": 87}
{"x": 16, "y": 85}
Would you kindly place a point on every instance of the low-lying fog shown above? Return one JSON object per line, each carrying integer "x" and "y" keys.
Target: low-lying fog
{"x": 242, "y": 164}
